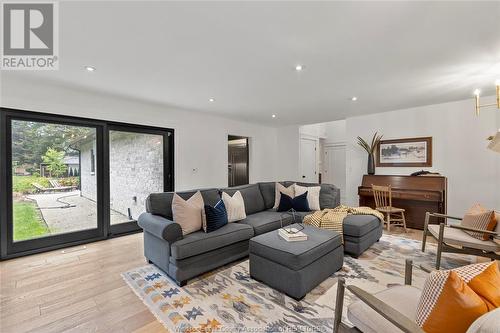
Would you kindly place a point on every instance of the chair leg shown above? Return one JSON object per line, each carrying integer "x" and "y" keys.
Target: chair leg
{"x": 339, "y": 305}
{"x": 424, "y": 237}
{"x": 404, "y": 221}
{"x": 388, "y": 222}
{"x": 440, "y": 245}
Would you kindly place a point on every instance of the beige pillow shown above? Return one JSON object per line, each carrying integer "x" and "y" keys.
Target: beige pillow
{"x": 188, "y": 213}
{"x": 235, "y": 206}
{"x": 290, "y": 191}
{"x": 312, "y": 195}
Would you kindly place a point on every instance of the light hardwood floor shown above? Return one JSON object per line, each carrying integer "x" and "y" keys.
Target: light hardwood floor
{"x": 80, "y": 289}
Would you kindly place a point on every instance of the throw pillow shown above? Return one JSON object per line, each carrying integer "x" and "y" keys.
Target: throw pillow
{"x": 216, "y": 216}
{"x": 448, "y": 304}
{"x": 188, "y": 213}
{"x": 479, "y": 217}
{"x": 235, "y": 206}
{"x": 312, "y": 195}
{"x": 299, "y": 203}
{"x": 290, "y": 191}
{"x": 484, "y": 279}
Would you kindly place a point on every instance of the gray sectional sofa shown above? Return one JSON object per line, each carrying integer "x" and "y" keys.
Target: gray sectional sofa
{"x": 184, "y": 257}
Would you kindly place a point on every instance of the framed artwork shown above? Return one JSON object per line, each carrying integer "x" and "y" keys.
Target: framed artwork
{"x": 411, "y": 152}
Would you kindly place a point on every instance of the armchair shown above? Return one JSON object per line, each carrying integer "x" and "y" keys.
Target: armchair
{"x": 453, "y": 238}
{"x": 391, "y": 310}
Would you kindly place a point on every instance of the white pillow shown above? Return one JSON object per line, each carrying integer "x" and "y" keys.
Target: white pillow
{"x": 235, "y": 206}
{"x": 312, "y": 195}
{"x": 290, "y": 191}
{"x": 188, "y": 213}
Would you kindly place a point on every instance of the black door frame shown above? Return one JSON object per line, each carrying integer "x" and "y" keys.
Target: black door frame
{"x": 10, "y": 249}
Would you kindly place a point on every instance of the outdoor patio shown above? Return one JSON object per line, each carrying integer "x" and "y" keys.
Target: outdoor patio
{"x": 68, "y": 211}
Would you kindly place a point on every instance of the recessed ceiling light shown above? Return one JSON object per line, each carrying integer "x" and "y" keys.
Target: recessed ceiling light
{"x": 90, "y": 68}
{"x": 211, "y": 100}
{"x": 274, "y": 116}
{"x": 298, "y": 68}
{"x": 354, "y": 98}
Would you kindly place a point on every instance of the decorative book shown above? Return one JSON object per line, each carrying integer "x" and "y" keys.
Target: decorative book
{"x": 292, "y": 235}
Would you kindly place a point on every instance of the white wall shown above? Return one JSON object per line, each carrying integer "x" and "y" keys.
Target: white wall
{"x": 335, "y": 132}
{"x": 200, "y": 139}
{"x": 459, "y": 149}
{"x": 288, "y": 146}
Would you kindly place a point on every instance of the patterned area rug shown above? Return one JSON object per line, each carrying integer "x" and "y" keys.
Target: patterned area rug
{"x": 228, "y": 300}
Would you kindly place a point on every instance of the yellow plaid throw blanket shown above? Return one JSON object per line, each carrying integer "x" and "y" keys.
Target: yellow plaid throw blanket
{"x": 332, "y": 219}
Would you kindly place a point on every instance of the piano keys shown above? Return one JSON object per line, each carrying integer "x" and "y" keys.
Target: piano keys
{"x": 416, "y": 194}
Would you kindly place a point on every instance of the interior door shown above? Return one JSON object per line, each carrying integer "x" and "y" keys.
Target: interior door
{"x": 335, "y": 168}
{"x": 308, "y": 160}
{"x": 238, "y": 171}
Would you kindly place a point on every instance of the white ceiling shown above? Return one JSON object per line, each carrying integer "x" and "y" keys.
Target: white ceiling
{"x": 390, "y": 55}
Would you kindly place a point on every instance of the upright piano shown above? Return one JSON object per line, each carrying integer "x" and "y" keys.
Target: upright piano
{"x": 416, "y": 194}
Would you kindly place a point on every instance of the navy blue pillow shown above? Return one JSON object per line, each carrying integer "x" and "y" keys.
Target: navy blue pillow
{"x": 216, "y": 216}
{"x": 299, "y": 203}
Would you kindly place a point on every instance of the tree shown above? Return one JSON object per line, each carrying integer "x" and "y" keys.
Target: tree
{"x": 55, "y": 164}
{"x": 31, "y": 139}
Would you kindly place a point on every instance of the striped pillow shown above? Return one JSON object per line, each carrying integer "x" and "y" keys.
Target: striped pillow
{"x": 216, "y": 216}
{"x": 479, "y": 217}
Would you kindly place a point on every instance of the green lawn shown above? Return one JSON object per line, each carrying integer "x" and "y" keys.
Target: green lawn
{"x": 27, "y": 221}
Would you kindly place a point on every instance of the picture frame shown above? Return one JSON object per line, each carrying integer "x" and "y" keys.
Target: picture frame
{"x": 407, "y": 152}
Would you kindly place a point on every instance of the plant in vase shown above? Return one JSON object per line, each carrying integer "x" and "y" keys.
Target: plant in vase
{"x": 370, "y": 149}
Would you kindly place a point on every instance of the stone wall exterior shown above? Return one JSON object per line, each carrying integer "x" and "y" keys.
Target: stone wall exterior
{"x": 136, "y": 170}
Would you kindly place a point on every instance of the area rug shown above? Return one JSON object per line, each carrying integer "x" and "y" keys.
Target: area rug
{"x": 229, "y": 300}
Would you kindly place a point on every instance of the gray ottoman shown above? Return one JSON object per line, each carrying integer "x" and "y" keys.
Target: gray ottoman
{"x": 295, "y": 268}
{"x": 361, "y": 232}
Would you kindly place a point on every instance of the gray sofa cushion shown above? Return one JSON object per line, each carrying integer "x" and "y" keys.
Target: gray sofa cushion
{"x": 254, "y": 202}
{"x": 161, "y": 203}
{"x": 268, "y": 193}
{"x": 295, "y": 255}
{"x": 200, "y": 242}
{"x": 329, "y": 195}
{"x": 263, "y": 222}
{"x": 359, "y": 225}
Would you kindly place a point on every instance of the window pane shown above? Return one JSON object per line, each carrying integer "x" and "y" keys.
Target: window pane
{"x": 135, "y": 171}
{"x": 49, "y": 194}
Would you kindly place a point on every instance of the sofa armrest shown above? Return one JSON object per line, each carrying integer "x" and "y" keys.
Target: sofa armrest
{"x": 487, "y": 232}
{"x": 392, "y": 315}
{"x": 160, "y": 227}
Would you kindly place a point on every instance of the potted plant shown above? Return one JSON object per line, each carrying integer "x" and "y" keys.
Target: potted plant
{"x": 370, "y": 149}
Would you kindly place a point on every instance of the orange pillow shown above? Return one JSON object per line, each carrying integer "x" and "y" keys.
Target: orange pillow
{"x": 484, "y": 279}
{"x": 448, "y": 304}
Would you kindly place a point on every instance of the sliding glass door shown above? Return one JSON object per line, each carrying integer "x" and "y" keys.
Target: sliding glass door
{"x": 68, "y": 180}
{"x": 137, "y": 167}
{"x": 53, "y": 186}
